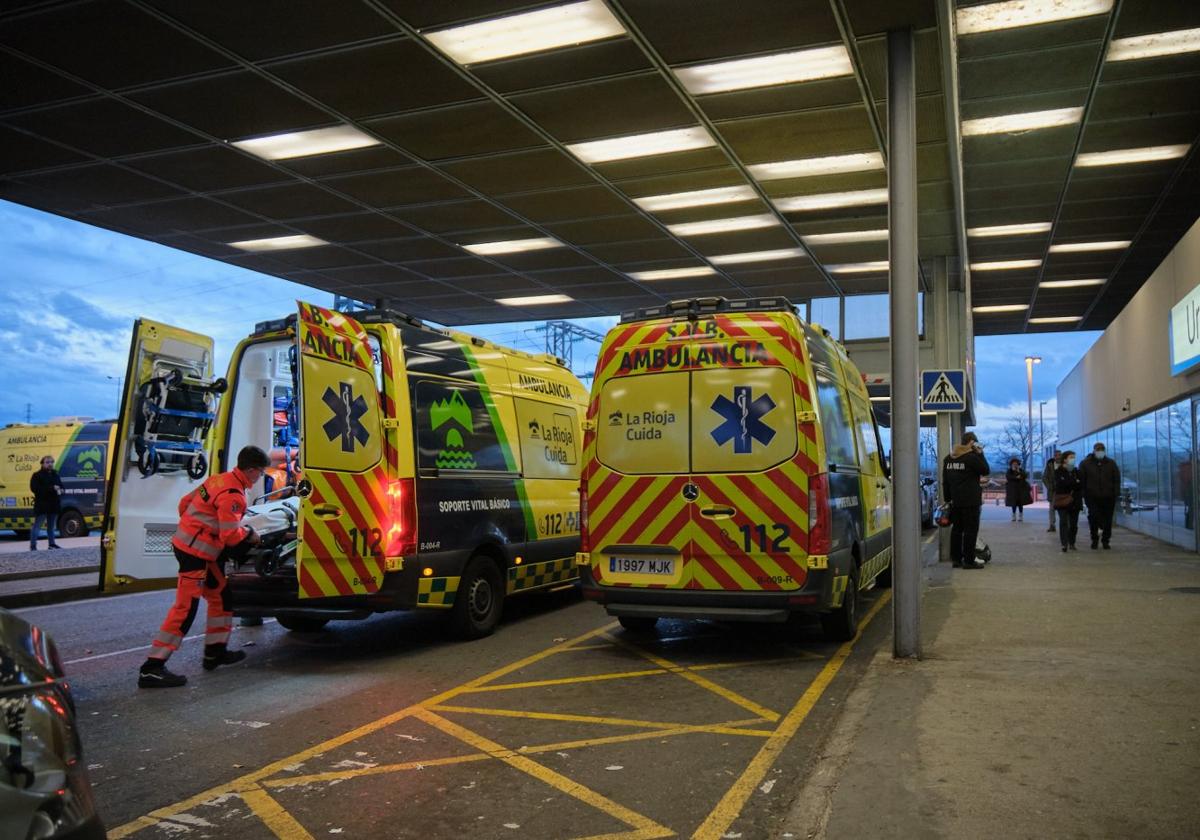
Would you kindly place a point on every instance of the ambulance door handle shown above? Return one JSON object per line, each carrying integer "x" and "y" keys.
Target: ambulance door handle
{"x": 327, "y": 511}
{"x": 717, "y": 512}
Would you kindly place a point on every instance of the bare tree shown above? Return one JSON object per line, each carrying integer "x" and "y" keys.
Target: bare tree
{"x": 1015, "y": 440}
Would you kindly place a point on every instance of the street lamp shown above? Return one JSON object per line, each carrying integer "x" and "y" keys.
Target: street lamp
{"x": 1042, "y": 433}
{"x": 117, "y": 379}
{"x": 1030, "y": 361}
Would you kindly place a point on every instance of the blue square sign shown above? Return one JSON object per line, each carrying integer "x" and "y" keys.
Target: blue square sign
{"x": 943, "y": 390}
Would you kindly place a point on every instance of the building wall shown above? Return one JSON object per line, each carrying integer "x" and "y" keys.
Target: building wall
{"x": 1132, "y": 359}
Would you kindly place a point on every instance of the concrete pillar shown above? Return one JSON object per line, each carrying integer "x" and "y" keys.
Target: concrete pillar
{"x": 902, "y": 244}
{"x": 943, "y": 335}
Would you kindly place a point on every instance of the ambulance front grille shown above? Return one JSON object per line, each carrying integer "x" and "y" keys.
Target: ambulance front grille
{"x": 157, "y": 540}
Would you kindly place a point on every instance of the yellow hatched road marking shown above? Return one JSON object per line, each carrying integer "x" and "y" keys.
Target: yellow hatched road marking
{"x": 338, "y": 775}
{"x": 274, "y": 816}
{"x": 719, "y": 690}
{"x": 545, "y": 775}
{"x": 715, "y": 729}
{"x": 731, "y": 804}
{"x": 604, "y": 721}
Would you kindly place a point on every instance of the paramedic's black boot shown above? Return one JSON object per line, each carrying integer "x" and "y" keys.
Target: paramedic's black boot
{"x": 1095, "y": 545}
{"x": 216, "y": 655}
{"x": 154, "y": 674}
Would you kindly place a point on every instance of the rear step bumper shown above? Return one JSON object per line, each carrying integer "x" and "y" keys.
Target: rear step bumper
{"x": 761, "y": 615}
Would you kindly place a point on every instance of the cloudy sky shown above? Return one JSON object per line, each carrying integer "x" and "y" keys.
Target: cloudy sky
{"x": 72, "y": 292}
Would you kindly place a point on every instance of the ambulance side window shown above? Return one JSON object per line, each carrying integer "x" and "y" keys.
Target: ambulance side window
{"x": 455, "y": 432}
{"x": 549, "y": 439}
{"x": 84, "y": 461}
{"x": 836, "y": 422}
{"x": 868, "y": 443}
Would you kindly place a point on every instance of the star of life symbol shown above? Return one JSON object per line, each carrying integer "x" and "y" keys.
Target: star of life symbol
{"x": 347, "y": 416}
{"x": 743, "y": 419}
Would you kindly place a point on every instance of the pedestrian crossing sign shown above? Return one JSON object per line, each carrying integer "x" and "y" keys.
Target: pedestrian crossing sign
{"x": 943, "y": 390}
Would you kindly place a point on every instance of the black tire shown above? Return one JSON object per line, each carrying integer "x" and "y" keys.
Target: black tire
{"x": 841, "y": 625}
{"x": 640, "y": 624}
{"x": 298, "y": 624}
{"x": 71, "y": 524}
{"x": 148, "y": 462}
{"x": 479, "y": 600}
{"x": 197, "y": 467}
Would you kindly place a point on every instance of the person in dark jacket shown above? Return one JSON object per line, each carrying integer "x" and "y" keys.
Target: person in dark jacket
{"x": 46, "y": 487}
{"x": 962, "y": 472}
{"x": 1067, "y": 481}
{"x": 1048, "y": 482}
{"x": 1101, "y": 488}
{"x": 1016, "y": 488}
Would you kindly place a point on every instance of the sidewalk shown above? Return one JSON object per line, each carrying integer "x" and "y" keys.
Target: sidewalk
{"x": 1057, "y": 697}
{"x": 29, "y": 577}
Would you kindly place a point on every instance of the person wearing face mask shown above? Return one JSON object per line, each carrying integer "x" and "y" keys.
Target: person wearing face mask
{"x": 1067, "y": 500}
{"x": 961, "y": 473}
{"x": 1101, "y": 486}
{"x": 1048, "y": 480}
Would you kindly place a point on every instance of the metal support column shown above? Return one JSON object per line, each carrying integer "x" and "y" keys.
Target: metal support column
{"x": 942, "y": 337}
{"x": 902, "y": 246}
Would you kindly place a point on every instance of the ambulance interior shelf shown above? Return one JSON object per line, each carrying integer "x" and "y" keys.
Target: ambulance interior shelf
{"x": 175, "y": 413}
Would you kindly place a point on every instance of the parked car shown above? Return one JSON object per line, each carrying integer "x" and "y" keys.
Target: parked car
{"x": 929, "y": 494}
{"x": 44, "y": 788}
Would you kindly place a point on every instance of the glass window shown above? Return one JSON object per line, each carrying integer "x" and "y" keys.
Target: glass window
{"x": 84, "y": 461}
{"x": 1183, "y": 494}
{"x": 1162, "y": 426}
{"x": 868, "y": 443}
{"x": 743, "y": 419}
{"x": 1146, "y": 499}
{"x": 1129, "y": 466}
{"x": 827, "y": 313}
{"x": 455, "y": 431}
{"x": 867, "y": 316}
{"x": 643, "y": 424}
{"x": 835, "y": 420}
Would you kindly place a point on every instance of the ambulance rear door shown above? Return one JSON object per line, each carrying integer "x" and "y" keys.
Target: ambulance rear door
{"x": 346, "y": 495}
{"x": 141, "y": 511}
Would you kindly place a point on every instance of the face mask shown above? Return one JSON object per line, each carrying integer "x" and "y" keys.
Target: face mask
{"x": 1070, "y": 463}
{"x": 1099, "y": 456}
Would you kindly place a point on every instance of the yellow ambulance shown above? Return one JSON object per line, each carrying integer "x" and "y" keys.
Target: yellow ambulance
{"x": 732, "y": 470}
{"x": 80, "y": 448}
{"x": 426, "y": 468}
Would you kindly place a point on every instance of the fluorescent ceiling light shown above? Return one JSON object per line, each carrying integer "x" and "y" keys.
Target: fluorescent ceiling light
{"x": 534, "y": 300}
{"x": 1146, "y": 154}
{"x": 1061, "y": 319}
{"x": 848, "y": 236}
{"x": 279, "y": 243}
{"x": 673, "y": 273}
{"x": 995, "y": 310}
{"x": 1014, "y": 13}
{"x": 723, "y": 225}
{"x": 826, "y": 201}
{"x": 642, "y": 145}
{"x": 779, "y": 69}
{"x": 294, "y": 144}
{"x": 1074, "y": 247}
{"x": 1070, "y": 284}
{"x": 756, "y": 256}
{"x": 1004, "y": 265}
{"x": 695, "y": 198}
{"x": 512, "y": 246}
{"x": 521, "y": 34}
{"x": 1010, "y": 230}
{"x": 806, "y": 167}
{"x": 1014, "y": 123}
{"x": 880, "y": 399}
{"x": 1155, "y": 46}
{"x": 859, "y": 268}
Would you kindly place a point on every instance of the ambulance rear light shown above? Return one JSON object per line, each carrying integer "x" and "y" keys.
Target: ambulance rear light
{"x": 820, "y": 517}
{"x": 402, "y": 507}
{"x": 584, "y": 536}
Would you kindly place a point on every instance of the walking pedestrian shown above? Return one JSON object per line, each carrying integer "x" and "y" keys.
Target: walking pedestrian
{"x": 210, "y": 531}
{"x": 962, "y": 471}
{"x": 1067, "y": 500}
{"x": 1048, "y": 482}
{"x": 1101, "y": 479}
{"x": 47, "y": 489}
{"x": 1016, "y": 488}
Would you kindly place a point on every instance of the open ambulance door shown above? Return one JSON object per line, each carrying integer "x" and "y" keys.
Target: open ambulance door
{"x": 162, "y": 440}
{"x": 345, "y": 524}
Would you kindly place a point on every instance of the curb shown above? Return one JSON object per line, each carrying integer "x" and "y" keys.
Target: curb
{"x": 50, "y": 596}
{"x": 68, "y": 570}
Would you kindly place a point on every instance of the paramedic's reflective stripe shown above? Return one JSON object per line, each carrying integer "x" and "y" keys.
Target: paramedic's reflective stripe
{"x": 217, "y": 630}
{"x": 195, "y": 544}
{"x": 170, "y": 640}
{"x": 229, "y": 526}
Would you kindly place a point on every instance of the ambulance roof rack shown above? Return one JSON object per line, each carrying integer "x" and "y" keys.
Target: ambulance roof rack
{"x": 368, "y": 316}
{"x": 695, "y": 307}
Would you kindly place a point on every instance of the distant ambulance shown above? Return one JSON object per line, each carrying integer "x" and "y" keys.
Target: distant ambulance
{"x": 433, "y": 470}
{"x": 732, "y": 470}
{"x": 80, "y": 449}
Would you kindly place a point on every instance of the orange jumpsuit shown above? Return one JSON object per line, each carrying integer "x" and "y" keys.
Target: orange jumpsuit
{"x": 210, "y": 526}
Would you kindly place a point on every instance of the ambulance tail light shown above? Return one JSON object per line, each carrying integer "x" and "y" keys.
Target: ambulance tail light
{"x": 820, "y": 517}
{"x": 584, "y": 537}
{"x": 402, "y": 506}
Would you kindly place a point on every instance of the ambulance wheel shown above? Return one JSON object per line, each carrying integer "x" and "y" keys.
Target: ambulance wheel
{"x": 297, "y": 624}
{"x": 147, "y": 462}
{"x": 197, "y": 467}
{"x": 640, "y": 624}
{"x": 479, "y": 600}
{"x": 71, "y": 524}
{"x": 841, "y": 625}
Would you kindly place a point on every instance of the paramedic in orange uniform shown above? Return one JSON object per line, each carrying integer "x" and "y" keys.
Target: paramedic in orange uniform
{"x": 210, "y": 530}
